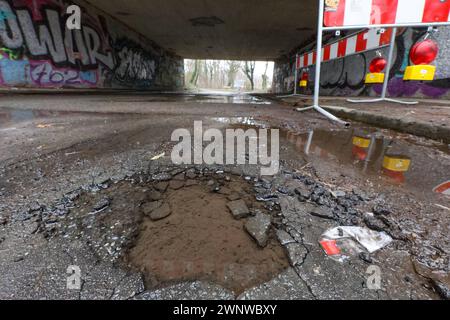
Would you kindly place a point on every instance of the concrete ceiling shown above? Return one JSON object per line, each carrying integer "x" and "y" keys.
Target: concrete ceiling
{"x": 219, "y": 29}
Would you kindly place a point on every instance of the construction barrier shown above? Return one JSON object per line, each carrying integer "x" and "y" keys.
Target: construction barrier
{"x": 341, "y": 13}
{"x": 335, "y": 15}
{"x": 357, "y": 43}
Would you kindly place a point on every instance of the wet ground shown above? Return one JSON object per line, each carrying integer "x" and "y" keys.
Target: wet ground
{"x": 200, "y": 240}
{"x": 427, "y": 118}
{"x": 61, "y": 156}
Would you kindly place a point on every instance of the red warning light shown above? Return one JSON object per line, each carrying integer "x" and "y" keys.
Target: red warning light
{"x": 377, "y": 65}
{"x": 305, "y": 76}
{"x": 424, "y": 52}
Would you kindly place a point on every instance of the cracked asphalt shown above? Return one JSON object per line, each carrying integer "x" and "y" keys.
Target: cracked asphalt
{"x": 58, "y": 149}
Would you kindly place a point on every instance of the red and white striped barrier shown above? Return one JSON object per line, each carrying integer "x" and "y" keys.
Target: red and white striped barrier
{"x": 364, "y": 41}
{"x": 372, "y": 14}
{"x": 443, "y": 188}
{"x": 341, "y": 13}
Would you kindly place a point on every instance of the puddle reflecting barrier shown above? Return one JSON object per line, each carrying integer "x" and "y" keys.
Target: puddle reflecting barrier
{"x": 372, "y": 154}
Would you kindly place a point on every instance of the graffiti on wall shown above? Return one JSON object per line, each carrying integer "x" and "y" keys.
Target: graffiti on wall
{"x": 283, "y": 79}
{"x": 37, "y": 49}
{"x": 134, "y": 64}
{"x": 346, "y": 77}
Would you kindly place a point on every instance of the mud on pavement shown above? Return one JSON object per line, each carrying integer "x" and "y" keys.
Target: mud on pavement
{"x": 139, "y": 228}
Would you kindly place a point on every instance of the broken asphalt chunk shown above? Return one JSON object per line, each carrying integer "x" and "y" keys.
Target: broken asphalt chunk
{"x": 190, "y": 183}
{"x": 162, "y": 186}
{"x": 297, "y": 253}
{"x": 266, "y": 197}
{"x": 176, "y": 184}
{"x": 381, "y": 210}
{"x": 162, "y": 177}
{"x": 149, "y": 207}
{"x": 284, "y": 238}
{"x": 258, "y": 227}
{"x": 303, "y": 193}
{"x": 365, "y": 256}
{"x": 374, "y": 223}
{"x": 179, "y": 177}
{"x": 238, "y": 209}
{"x": 102, "y": 204}
{"x": 322, "y": 212}
{"x": 161, "y": 212}
{"x": 441, "y": 289}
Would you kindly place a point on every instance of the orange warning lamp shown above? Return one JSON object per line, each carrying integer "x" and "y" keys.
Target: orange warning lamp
{"x": 304, "y": 80}
{"x": 422, "y": 54}
{"x": 359, "y": 153}
{"x": 376, "y": 67}
{"x": 396, "y": 176}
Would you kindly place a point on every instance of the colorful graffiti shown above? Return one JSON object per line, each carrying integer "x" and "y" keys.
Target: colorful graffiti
{"x": 38, "y": 50}
{"x": 45, "y": 74}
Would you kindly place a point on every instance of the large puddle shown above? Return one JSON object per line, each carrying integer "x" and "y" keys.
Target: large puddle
{"x": 231, "y": 99}
{"x": 379, "y": 155}
{"x": 201, "y": 98}
{"x": 12, "y": 116}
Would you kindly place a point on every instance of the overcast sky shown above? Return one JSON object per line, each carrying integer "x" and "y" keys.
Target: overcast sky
{"x": 260, "y": 66}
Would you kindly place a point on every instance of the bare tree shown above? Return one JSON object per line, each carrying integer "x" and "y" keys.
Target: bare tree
{"x": 195, "y": 73}
{"x": 249, "y": 70}
{"x": 265, "y": 78}
{"x": 232, "y": 70}
{"x": 215, "y": 75}
{"x": 205, "y": 74}
{"x": 210, "y": 68}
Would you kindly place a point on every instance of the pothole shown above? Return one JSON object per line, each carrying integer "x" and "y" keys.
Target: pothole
{"x": 187, "y": 226}
{"x": 200, "y": 239}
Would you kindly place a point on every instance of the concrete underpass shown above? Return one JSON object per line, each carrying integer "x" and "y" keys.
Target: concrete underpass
{"x": 90, "y": 119}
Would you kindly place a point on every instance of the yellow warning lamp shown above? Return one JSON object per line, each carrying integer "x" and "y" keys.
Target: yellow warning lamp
{"x": 422, "y": 54}
{"x": 361, "y": 142}
{"x": 376, "y": 67}
{"x": 395, "y": 167}
{"x": 360, "y": 147}
{"x": 396, "y": 163}
{"x": 304, "y": 80}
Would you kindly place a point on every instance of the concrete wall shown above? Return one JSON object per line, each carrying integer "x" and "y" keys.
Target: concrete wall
{"x": 345, "y": 77}
{"x": 38, "y": 51}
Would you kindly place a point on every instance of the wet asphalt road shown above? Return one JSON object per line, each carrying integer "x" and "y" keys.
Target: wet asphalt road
{"x": 52, "y": 145}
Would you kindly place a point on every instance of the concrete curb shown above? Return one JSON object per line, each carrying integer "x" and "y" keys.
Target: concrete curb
{"x": 418, "y": 128}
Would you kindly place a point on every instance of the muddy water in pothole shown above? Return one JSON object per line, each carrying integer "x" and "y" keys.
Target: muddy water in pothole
{"x": 198, "y": 240}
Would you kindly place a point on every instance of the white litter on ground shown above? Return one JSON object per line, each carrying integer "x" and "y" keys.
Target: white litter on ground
{"x": 371, "y": 240}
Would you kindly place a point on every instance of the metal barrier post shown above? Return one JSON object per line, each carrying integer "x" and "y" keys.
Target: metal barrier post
{"x": 295, "y": 94}
{"x": 316, "y": 105}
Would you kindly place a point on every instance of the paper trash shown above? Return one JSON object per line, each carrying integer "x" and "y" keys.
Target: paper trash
{"x": 347, "y": 241}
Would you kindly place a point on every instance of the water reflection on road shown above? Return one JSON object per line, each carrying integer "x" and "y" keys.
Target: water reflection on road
{"x": 379, "y": 153}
